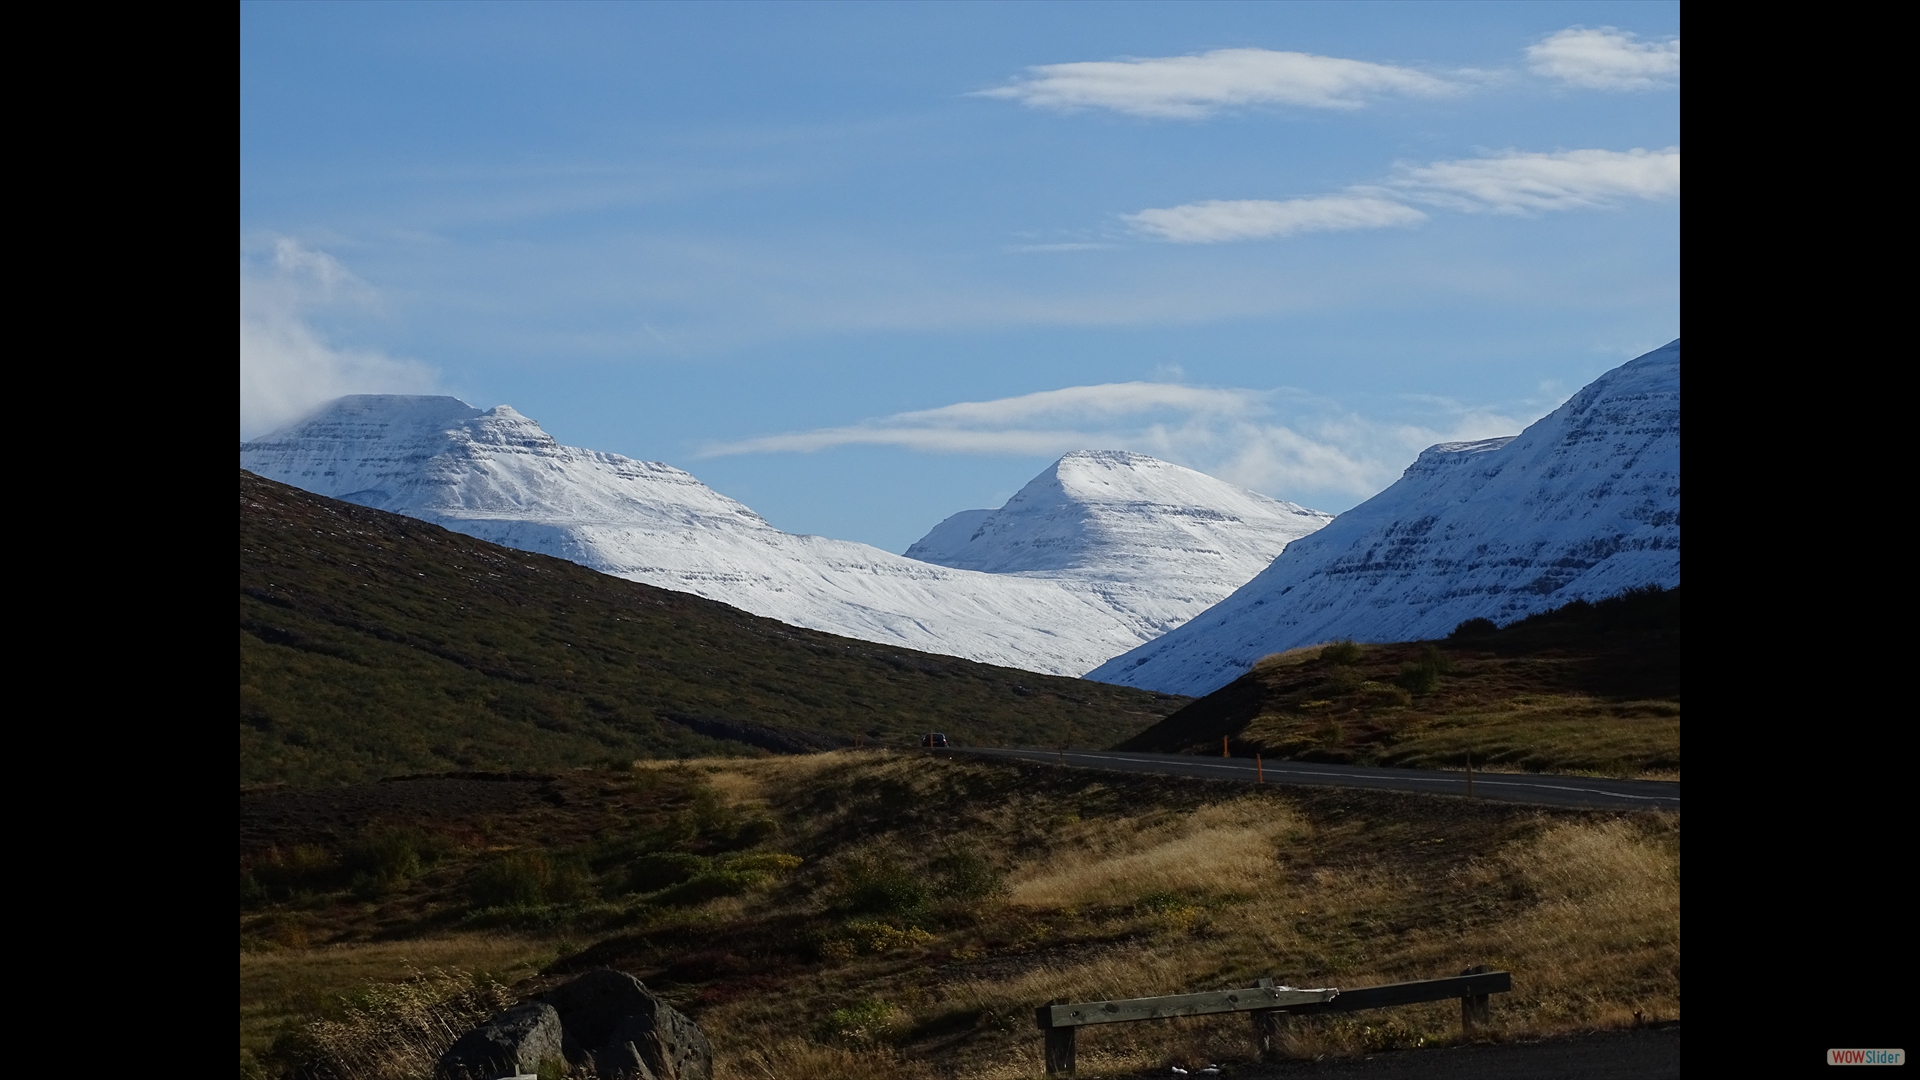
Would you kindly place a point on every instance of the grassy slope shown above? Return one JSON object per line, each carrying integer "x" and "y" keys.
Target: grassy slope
{"x": 373, "y": 644}
{"x": 1107, "y": 885}
{"x": 1584, "y": 688}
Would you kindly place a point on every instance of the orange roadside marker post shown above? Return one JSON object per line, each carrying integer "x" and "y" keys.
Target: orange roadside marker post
{"x": 1259, "y": 773}
{"x": 1223, "y": 746}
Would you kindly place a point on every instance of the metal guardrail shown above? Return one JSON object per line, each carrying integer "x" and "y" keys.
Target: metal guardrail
{"x": 1269, "y": 1005}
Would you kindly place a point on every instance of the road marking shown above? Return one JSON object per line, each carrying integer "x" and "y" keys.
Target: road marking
{"x": 1286, "y": 770}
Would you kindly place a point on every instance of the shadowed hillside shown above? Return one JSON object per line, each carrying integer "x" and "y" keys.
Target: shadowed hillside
{"x": 373, "y": 645}
{"x": 1585, "y": 687}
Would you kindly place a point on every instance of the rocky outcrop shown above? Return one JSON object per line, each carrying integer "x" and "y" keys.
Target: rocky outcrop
{"x": 606, "y": 1019}
{"x": 613, "y": 1020}
{"x": 516, "y": 1042}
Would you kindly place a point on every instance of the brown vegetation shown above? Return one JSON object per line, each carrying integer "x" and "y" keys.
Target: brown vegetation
{"x": 1588, "y": 688}
{"x": 929, "y": 903}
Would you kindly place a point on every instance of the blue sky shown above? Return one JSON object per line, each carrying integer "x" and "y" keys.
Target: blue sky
{"x": 864, "y": 265}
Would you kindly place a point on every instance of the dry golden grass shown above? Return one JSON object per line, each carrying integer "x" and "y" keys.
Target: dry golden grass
{"x": 746, "y": 781}
{"x": 1290, "y": 658}
{"x": 281, "y": 987}
{"x": 1120, "y": 887}
{"x": 398, "y": 1030}
{"x": 1227, "y": 848}
{"x": 1602, "y": 941}
{"x": 1584, "y": 911}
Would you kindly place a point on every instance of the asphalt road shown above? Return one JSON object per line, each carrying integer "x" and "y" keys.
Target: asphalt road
{"x": 1646, "y": 1054}
{"x": 1510, "y": 787}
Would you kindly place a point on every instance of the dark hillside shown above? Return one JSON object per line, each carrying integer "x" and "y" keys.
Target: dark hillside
{"x": 373, "y": 644}
{"x": 1585, "y": 687}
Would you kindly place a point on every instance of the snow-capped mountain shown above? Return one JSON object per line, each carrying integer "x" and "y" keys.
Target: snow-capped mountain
{"x": 1583, "y": 503}
{"x": 1158, "y": 541}
{"x": 496, "y": 475}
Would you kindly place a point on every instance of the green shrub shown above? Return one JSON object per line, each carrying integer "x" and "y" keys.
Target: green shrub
{"x": 252, "y": 893}
{"x": 1418, "y": 678}
{"x": 516, "y": 879}
{"x": 1378, "y": 694}
{"x": 570, "y": 882}
{"x": 383, "y": 859}
{"x": 297, "y": 871}
{"x": 663, "y": 869}
{"x": 1473, "y": 628}
{"x": 1344, "y": 680}
{"x": 729, "y": 875}
{"x": 868, "y": 1020}
{"x": 965, "y": 874}
{"x": 756, "y": 830}
{"x": 1422, "y": 676}
{"x": 876, "y": 885}
{"x": 1343, "y": 651}
{"x": 712, "y": 825}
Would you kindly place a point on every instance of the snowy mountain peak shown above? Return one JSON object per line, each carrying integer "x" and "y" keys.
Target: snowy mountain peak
{"x": 438, "y": 457}
{"x": 1583, "y": 503}
{"x": 1111, "y": 512}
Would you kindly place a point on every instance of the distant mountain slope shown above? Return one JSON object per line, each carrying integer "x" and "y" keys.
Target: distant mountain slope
{"x": 496, "y": 475}
{"x": 373, "y": 644}
{"x": 1584, "y": 503}
{"x": 1160, "y": 542}
{"x": 1591, "y": 687}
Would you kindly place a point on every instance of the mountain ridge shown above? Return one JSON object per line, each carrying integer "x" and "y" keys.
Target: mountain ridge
{"x": 1584, "y": 503}
{"x": 496, "y": 475}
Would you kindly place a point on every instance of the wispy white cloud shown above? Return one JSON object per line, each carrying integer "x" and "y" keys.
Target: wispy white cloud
{"x": 1101, "y": 400}
{"x": 1191, "y": 87}
{"x": 1519, "y": 183}
{"x": 996, "y": 427}
{"x": 287, "y": 368}
{"x": 1606, "y": 59}
{"x": 1509, "y": 183}
{"x": 1257, "y": 219}
{"x": 1286, "y": 444}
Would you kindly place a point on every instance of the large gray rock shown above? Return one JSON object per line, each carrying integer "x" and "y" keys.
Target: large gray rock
{"x": 615, "y": 1023}
{"x": 519, "y": 1040}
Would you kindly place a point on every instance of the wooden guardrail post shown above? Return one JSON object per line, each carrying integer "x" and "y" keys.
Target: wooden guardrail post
{"x": 1268, "y": 1026}
{"x": 1059, "y": 1039}
{"x": 1475, "y": 1012}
